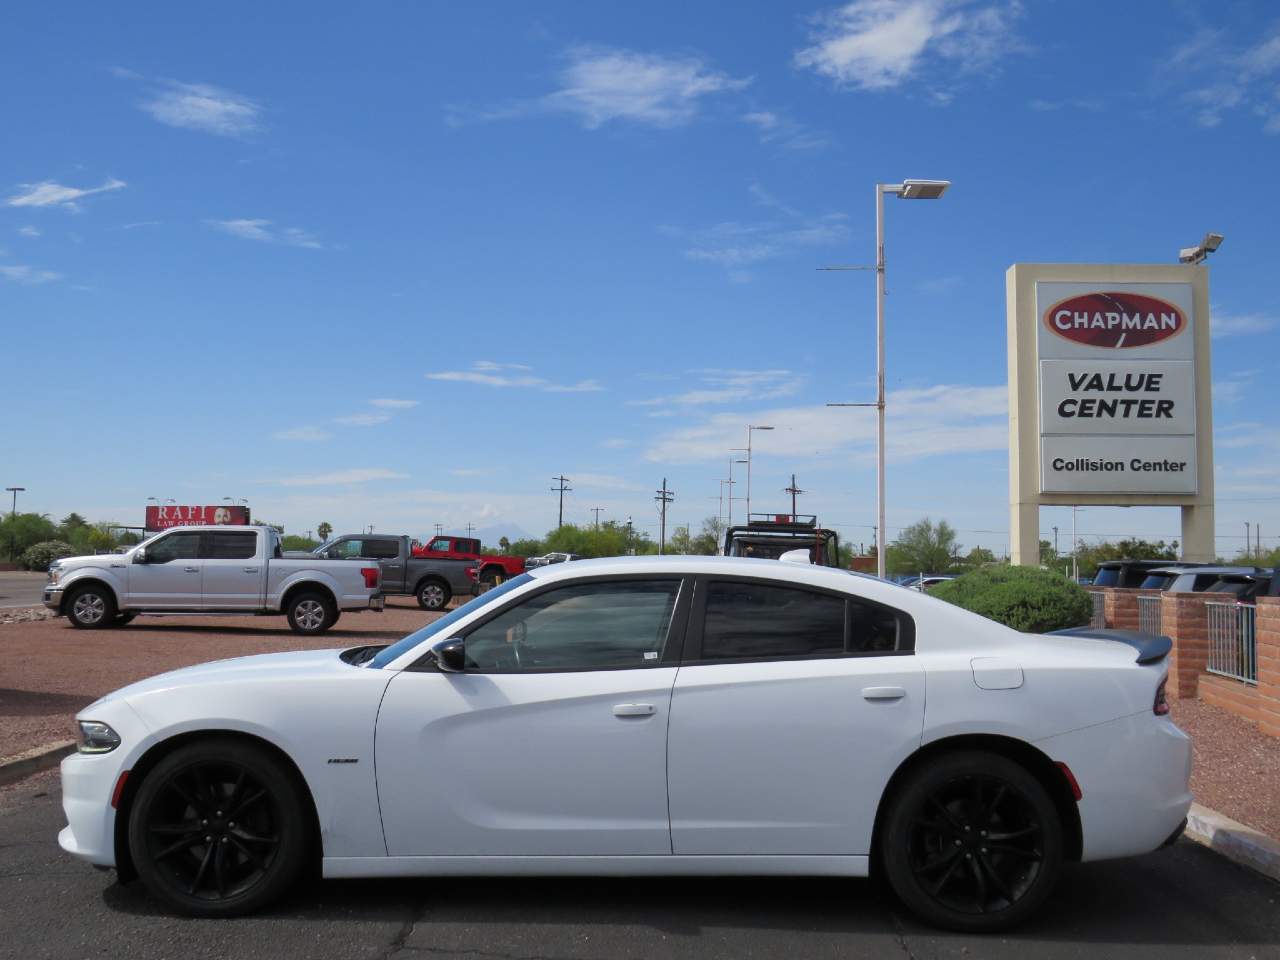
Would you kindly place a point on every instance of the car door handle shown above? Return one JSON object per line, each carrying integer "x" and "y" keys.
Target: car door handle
{"x": 250, "y": 569}
{"x": 883, "y": 693}
{"x": 191, "y": 569}
{"x": 634, "y": 710}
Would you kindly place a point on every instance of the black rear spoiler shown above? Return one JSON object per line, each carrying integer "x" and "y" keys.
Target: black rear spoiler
{"x": 1151, "y": 647}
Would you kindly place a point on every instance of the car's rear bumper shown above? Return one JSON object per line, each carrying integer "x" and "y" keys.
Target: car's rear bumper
{"x": 1135, "y": 780}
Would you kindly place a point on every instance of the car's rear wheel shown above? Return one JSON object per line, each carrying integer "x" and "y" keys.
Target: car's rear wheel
{"x": 434, "y": 595}
{"x": 490, "y": 577}
{"x": 91, "y": 607}
{"x": 311, "y": 613}
{"x": 972, "y": 842}
{"x": 217, "y": 829}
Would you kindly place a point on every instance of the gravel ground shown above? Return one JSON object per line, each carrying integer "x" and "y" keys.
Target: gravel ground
{"x": 49, "y": 669}
{"x": 1236, "y": 770}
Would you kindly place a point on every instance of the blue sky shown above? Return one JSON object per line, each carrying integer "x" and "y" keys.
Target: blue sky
{"x": 402, "y": 264}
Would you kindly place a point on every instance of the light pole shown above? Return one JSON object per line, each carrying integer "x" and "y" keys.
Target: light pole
{"x": 1248, "y": 544}
{"x": 13, "y": 519}
{"x": 907, "y": 190}
{"x": 750, "y": 428}
{"x": 731, "y": 482}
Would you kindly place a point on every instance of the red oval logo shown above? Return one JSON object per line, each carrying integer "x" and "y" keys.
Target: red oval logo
{"x": 1115, "y": 320}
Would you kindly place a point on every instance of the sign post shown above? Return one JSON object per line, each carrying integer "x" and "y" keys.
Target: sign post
{"x": 1109, "y": 395}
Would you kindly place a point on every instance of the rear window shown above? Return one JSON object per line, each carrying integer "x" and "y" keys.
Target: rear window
{"x": 382, "y": 549}
{"x": 1156, "y": 582}
{"x": 1107, "y": 577}
{"x": 232, "y": 546}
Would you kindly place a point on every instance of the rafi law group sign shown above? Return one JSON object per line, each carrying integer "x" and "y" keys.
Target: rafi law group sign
{"x": 1109, "y": 392}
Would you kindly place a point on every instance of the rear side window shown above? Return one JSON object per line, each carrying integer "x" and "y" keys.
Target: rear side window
{"x": 381, "y": 549}
{"x": 232, "y": 546}
{"x": 754, "y": 621}
{"x": 1107, "y": 577}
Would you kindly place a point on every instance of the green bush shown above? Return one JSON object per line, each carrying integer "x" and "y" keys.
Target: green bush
{"x": 38, "y": 556}
{"x": 1024, "y": 598}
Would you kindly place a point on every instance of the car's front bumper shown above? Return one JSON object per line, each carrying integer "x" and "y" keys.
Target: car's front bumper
{"x": 53, "y": 597}
{"x": 87, "y": 785}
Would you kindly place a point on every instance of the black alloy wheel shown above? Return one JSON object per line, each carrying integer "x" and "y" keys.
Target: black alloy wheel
{"x": 974, "y": 843}
{"x": 217, "y": 829}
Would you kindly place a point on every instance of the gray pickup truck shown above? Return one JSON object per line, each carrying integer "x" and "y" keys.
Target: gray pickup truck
{"x": 433, "y": 582}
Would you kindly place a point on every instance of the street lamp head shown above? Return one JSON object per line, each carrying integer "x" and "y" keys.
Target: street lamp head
{"x": 1198, "y": 253}
{"x": 923, "y": 189}
{"x": 762, "y": 428}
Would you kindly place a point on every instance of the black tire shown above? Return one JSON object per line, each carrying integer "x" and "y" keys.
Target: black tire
{"x": 123, "y": 619}
{"x": 311, "y": 612}
{"x": 490, "y": 577}
{"x": 90, "y": 607}
{"x": 218, "y": 829}
{"x": 972, "y": 842}
{"x": 434, "y": 594}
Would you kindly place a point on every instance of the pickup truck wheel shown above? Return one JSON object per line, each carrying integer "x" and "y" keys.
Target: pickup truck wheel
{"x": 91, "y": 607}
{"x": 311, "y": 613}
{"x": 434, "y": 595}
{"x": 491, "y": 577}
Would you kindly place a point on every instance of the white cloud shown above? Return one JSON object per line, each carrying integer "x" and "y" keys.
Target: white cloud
{"x": 363, "y": 419}
{"x": 302, "y": 433}
{"x": 600, "y": 85}
{"x": 602, "y": 481}
{"x": 615, "y": 443}
{"x": 340, "y": 477}
{"x": 28, "y": 232}
{"x": 21, "y": 273}
{"x": 1239, "y": 324}
{"x": 488, "y": 374}
{"x": 202, "y": 106}
{"x": 729, "y": 386}
{"x": 946, "y": 419}
{"x": 778, "y": 129}
{"x": 50, "y": 194}
{"x": 1227, "y": 77}
{"x": 1230, "y": 388}
{"x": 388, "y": 403}
{"x": 882, "y": 44}
{"x": 264, "y": 232}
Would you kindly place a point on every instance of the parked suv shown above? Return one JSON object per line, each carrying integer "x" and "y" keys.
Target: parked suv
{"x": 1192, "y": 579}
{"x": 492, "y": 568}
{"x": 1131, "y": 573}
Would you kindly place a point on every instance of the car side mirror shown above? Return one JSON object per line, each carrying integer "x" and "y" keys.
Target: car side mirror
{"x": 140, "y": 556}
{"x": 450, "y": 655}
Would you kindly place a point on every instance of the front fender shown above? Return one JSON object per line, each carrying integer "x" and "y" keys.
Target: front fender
{"x": 105, "y": 575}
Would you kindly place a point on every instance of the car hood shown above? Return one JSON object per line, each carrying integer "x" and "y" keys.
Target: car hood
{"x": 293, "y": 664}
{"x": 91, "y": 560}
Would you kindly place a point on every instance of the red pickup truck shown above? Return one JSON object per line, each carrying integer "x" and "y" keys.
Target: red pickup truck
{"x": 490, "y": 569}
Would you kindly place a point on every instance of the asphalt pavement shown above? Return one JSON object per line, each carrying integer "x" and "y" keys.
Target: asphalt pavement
{"x": 1185, "y": 902}
{"x": 21, "y": 588}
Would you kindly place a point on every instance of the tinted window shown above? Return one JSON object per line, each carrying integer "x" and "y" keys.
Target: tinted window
{"x": 1157, "y": 581}
{"x": 347, "y": 550}
{"x": 1107, "y": 577}
{"x": 752, "y": 621}
{"x": 382, "y": 549}
{"x": 585, "y": 626}
{"x": 232, "y": 546}
{"x": 176, "y": 546}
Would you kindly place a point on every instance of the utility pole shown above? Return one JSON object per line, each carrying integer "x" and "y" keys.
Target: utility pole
{"x": 664, "y": 497}
{"x": 628, "y": 536}
{"x": 13, "y": 521}
{"x": 794, "y": 491}
{"x": 1248, "y": 538}
{"x": 439, "y": 529}
{"x": 562, "y": 490}
{"x": 1055, "y": 543}
{"x": 470, "y": 526}
{"x": 596, "y": 511}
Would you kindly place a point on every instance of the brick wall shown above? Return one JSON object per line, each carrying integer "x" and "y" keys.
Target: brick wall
{"x": 1183, "y": 618}
{"x": 1268, "y": 638}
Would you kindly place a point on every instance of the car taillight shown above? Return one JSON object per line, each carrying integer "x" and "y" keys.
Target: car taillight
{"x": 370, "y": 575}
{"x": 1161, "y": 706}
{"x": 1072, "y": 783}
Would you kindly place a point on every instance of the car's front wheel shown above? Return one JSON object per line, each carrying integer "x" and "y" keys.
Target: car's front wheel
{"x": 218, "y": 829}
{"x": 972, "y": 842}
{"x": 91, "y": 607}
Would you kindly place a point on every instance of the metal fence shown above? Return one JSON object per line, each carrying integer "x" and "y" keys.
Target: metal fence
{"x": 1099, "y": 618}
{"x": 1233, "y": 648}
{"x": 1149, "y": 614}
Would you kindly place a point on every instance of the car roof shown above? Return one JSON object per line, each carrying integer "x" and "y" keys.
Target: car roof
{"x": 1206, "y": 569}
{"x": 1149, "y": 564}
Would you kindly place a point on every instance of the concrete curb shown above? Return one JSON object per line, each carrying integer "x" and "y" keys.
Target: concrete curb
{"x": 1234, "y": 840}
{"x": 34, "y": 760}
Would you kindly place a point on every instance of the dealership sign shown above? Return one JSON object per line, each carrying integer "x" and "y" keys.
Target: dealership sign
{"x": 172, "y": 515}
{"x": 1117, "y": 388}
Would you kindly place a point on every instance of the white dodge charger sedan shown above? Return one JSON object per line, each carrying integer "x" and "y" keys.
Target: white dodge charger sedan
{"x": 646, "y": 716}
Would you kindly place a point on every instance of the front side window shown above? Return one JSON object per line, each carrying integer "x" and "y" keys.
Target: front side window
{"x": 176, "y": 546}
{"x": 347, "y": 550}
{"x": 589, "y": 626}
{"x": 231, "y": 546}
{"x": 440, "y": 545}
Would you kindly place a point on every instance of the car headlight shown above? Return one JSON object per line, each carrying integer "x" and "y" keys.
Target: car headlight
{"x": 95, "y": 737}
{"x": 55, "y": 572}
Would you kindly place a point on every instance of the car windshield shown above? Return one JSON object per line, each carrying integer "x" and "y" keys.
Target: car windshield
{"x": 445, "y": 623}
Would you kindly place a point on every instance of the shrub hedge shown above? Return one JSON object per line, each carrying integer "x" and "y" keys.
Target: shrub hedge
{"x": 38, "y": 556}
{"x": 1024, "y": 598}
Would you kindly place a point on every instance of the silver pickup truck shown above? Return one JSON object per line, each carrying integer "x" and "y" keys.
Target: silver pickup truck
{"x": 211, "y": 570}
